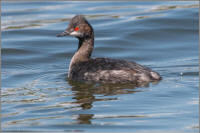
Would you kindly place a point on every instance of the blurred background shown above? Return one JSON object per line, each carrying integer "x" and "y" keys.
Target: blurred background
{"x": 36, "y": 95}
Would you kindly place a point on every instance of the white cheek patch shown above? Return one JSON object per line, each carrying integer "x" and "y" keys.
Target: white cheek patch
{"x": 74, "y": 33}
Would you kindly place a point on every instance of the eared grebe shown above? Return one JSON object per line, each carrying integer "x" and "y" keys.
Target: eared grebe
{"x": 83, "y": 68}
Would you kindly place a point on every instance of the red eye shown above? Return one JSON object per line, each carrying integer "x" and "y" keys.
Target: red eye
{"x": 76, "y": 29}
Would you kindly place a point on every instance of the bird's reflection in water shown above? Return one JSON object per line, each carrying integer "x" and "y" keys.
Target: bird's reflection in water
{"x": 85, "y": 95}
{"x": 84, "y": 118}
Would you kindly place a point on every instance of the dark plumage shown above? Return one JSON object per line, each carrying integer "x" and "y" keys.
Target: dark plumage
{"x": 103, "y": 70}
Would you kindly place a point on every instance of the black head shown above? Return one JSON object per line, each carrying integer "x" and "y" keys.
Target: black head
{"x": 78, "y": 27}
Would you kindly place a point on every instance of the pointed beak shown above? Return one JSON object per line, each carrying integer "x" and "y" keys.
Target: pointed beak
{"x": 65, "y": 33}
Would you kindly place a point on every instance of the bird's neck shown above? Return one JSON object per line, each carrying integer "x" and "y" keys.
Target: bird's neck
{"x": 85, "y": 48}
{"x": 83, "y": 53}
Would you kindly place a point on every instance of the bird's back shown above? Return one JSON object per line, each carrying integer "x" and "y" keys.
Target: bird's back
{"x": 105, "y": 70}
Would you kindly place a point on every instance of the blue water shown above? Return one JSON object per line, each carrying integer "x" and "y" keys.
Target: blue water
{"x": 36, "y": 96}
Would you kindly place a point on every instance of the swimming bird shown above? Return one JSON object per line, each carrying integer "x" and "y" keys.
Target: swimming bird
{"x": 85, "y": 69}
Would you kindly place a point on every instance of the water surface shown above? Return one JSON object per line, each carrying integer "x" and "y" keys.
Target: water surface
{"x": 37, "y": 97}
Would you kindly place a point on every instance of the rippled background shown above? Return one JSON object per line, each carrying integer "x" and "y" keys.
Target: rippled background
{"x": 37, "y": 97}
